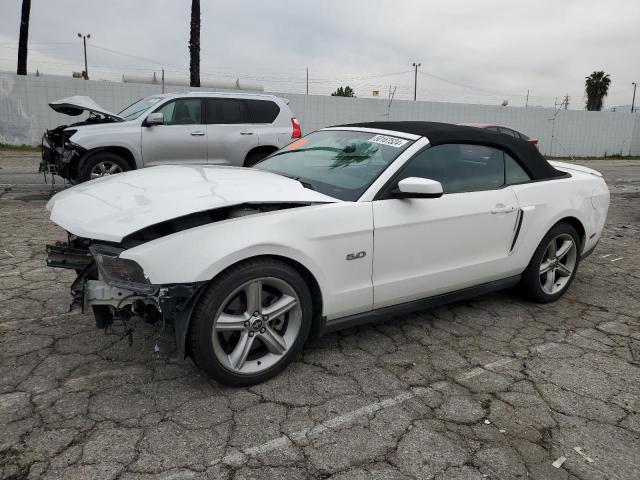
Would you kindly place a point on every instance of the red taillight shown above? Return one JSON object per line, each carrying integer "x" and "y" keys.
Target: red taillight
{"x": 297, "y": 130}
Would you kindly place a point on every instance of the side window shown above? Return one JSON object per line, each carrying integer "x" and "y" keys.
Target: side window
{"x": 459, "y": 167}
{"x": 508, "y": 131}
{"x": 184, "y": 111}
{"x": 262, "y": 111}
{"x": 225, "y": 111}
{"x": 514, "y": 172}
{"x": 492, "y": 129}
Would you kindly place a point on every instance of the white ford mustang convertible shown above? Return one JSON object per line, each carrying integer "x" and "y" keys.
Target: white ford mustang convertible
{"x": 346, "y": 225}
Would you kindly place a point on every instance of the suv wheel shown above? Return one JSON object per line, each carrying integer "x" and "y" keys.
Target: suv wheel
{"x": 251, "y": 322}
{"x": 255, "y": 157}
{"x": 102, "y": 165}
{"x": 554, "y": 264}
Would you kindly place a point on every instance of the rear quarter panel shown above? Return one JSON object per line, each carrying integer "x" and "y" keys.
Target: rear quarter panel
{"x": 583, "y": 196}
{"x": 318, "y": 237}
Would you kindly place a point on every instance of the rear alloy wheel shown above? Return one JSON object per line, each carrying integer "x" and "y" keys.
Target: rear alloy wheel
{"x": 103, "y": 165}
{"x": 558, "y": 262}
{"x": 554, "y": 264}
{"x": 251, "y": 322}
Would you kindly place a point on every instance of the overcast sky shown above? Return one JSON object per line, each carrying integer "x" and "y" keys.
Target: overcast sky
{"x": 471, "y": 51}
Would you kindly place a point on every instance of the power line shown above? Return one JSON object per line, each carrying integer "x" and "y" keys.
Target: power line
{"x": 472, "y": 87}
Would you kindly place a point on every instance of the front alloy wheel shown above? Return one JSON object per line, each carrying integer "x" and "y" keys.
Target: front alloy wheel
{"x": 256, "y": 325}
{"x": 104, "y": 169}
{"x": 102, "y": 164}
{"x": 251, "y": 322}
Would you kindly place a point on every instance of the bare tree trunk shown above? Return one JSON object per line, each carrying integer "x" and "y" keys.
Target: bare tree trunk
{"x": 194, "y": 43}
{"x": 24, "y": 37}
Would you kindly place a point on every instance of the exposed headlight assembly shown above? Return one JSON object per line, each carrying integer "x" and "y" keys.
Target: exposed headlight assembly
{"x": 120, "y": 272}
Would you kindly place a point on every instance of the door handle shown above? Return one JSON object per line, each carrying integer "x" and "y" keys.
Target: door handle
{"x": 197, "y": 134}
{"x": 500, "y": 208}
{"x": 246, "y": 132}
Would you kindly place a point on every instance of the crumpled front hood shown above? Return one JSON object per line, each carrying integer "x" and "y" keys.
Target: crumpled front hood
{"x": 113, "y": 207}
{"x": 77, "y": 104}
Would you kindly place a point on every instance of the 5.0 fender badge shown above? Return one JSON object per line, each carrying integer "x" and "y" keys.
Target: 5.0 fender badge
{"x": 354, "y": 256}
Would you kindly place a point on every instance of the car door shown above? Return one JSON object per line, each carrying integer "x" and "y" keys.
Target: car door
{"x": 429, "y": 246}
{"x": 230, "y": 133}
{"x": 182, "y": 138}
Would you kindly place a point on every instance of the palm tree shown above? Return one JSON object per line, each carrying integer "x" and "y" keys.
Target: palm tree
{"x": 596, "y": 88}
{"x": 24, "y": 37}
{"x": 194, "y": 44}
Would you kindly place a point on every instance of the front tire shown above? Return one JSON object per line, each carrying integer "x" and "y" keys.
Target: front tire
{"x": 103, "y": 316}
{"x": 553, "y": 265}
{"x": 251, "y": 322}
{"x": 102, "y": 164}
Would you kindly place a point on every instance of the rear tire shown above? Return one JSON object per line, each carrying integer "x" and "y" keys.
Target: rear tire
{"x": 255, "y": 157}
{"x": 251, "y": 322}
{"x": 102, "y": 164}
{"x": 553, "y": 265}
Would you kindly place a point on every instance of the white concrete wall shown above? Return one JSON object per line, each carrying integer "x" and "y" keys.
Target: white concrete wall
{"x": 24, "y": 114}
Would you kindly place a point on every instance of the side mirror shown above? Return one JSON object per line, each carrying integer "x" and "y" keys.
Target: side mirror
{"x": 416, "y": 187}
{"x": 155, "y": 118}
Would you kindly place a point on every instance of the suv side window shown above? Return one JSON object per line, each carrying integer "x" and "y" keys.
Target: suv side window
{"x": 183, "y": 111}
{"x": 262, "y": 111}
{"x": 226, "y": 111}
{"x": 459, "y": 167}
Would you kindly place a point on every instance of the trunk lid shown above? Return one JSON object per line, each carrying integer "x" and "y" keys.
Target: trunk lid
{"x": 570, "y": 167}
{"x": 113, "y": 207}
{"x": 78, "y": 104}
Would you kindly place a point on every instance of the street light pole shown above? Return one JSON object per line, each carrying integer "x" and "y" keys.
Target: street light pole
{"x": 633, "y": 101}
{"x": 415, "y": 81}
{"x": 84, "y": 41}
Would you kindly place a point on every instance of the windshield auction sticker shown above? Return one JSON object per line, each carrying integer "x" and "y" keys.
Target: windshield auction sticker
{"x": 390, "y": 141}
{"x": 297, "y": 144}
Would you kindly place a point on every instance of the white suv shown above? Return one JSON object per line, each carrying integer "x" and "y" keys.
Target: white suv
{"x": 197, "y": 128}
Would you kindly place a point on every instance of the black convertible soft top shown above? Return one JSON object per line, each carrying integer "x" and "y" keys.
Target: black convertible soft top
{"x": 526, "y": 154}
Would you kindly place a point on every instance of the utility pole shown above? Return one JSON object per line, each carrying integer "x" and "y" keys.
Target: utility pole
{"x": 566, "y": 101}
{"x": 84, "y": 41}
{"x": 526, "y": 102}
{"x": 633, "y": 101}
{"x": 307, "y": 81}
{"x": 24, "y": 37}
{"x": 415, "y": 81}
{"x": 391, "y": 95}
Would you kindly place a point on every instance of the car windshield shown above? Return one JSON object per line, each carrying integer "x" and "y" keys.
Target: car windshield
{"x": 338, "y": 163}
{"x": 136, "y": 109}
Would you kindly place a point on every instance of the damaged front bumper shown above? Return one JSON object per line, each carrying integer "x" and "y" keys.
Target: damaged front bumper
{"x": 60, "y": 156}
{"x": 96, "y": 286}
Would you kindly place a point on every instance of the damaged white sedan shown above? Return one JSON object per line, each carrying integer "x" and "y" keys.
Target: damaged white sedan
{"x": 346, "y": 225}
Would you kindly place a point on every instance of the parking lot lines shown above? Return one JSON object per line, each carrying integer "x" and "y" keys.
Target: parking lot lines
{"x": 304, "y": 435}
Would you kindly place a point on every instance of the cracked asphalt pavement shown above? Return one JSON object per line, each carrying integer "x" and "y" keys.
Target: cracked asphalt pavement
{"x": 494, "y": 388}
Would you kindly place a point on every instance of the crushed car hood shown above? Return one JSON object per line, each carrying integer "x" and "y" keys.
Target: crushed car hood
{"x": 110, "y": 208}
{"x": 78, "y": 104}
